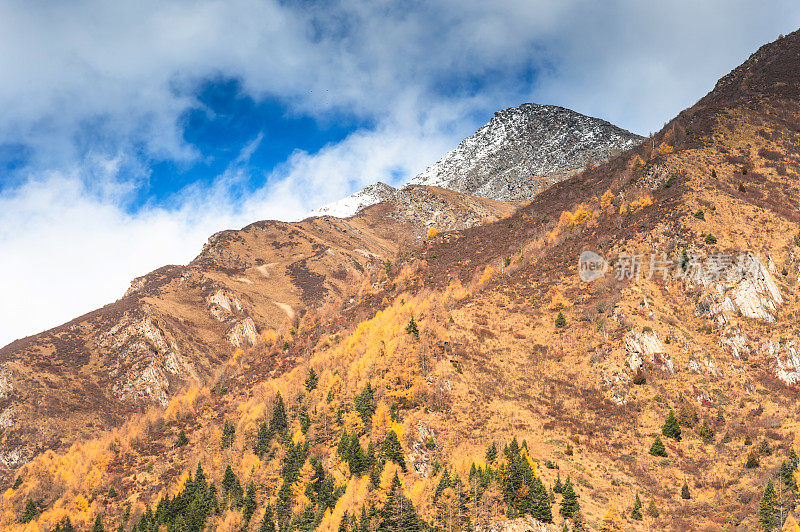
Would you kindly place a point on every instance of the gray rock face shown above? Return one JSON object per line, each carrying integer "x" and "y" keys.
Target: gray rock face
{"x": 524, "y": 150}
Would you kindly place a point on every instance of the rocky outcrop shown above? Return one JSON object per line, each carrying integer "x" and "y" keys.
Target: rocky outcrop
{"x": 646, "y": 345}
{"x": 784, "y": 359}
{"x": 243, "y": 333}
{"x": 521, "y": 524}
{"x": 743, "y": 288}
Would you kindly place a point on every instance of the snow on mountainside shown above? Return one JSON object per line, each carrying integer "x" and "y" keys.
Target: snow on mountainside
{"x": 525, "y": 149}
{"x": 346, "y": 207}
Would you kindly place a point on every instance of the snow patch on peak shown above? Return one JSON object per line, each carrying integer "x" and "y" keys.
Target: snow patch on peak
{"x": 346, "y": 207}
{"x": 525, "y": 149}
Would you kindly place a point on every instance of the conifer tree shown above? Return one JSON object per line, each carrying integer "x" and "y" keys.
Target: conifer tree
{"x": 412, "y": 328}
{"x": 671, "y": 429}
{"x": 30, "y": 511}
{"x": 279, "y": 423}
{"x": 444, "y": 483}
{"x": 365, "y": 405}
{"x": 569, "y": 500}
{"x": 268, "y": 521}
{"x": 766, "y": 513}
{"x": 491, "y": 453}
{"x": 182, "y": 439}
{"x": 561, "y": 321}
{"x": 558, "y": 487}
{"x": 577, "y": 522}
{"x": 752, "y": 460}
{"x": 685, "y": 492}
{"x": 706, "y": 433}
{"x": 636, "y": 513}
{"x": 228, "y": 434}
{"x": 393, "y": 450}
{"x": 652, "y": 511}
{"x": 658, "y": 449}
{"x": 98, "y": 524}
{"x": 249, "y": 502}
{"x": 312, "y": 380}
{"x": 539, "y": 504}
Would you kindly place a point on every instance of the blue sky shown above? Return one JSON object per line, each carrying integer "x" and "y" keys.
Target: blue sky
{"x": 132, "y": 131}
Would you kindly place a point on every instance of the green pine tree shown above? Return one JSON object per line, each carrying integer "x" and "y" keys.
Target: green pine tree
{"x": 279, "y": 423}
{"x": 268, "y": 521}
{"x": 412, "y": 328}
{"x": 30, "y": 511}
{"x": 685, "y": 492}
{"x": 766, "y": 513}
{"x": 98, "y": 524}
{"x": 658, "y": 449}
{"x": 652, "y": 511}
{"x": 569, "y": 500}
{"x": 182, "y": 439}
{"x": 561, "y": 321}
{"x": 636, "y": 513}
{"x": 491, "y": 453}
{"x": 249, "y": 502}
{"x": 365, "y": 405}
{"x": 539, "y": 503}
{"x": 393, "y": 450}
{"x": 312, "y": 380}
{"x": 558, "y": 487}
{"x": 671, "y": 429}
{"x": 706, "y": 433}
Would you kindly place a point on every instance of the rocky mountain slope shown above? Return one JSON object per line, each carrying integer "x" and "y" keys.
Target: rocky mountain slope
{"x": 176, "y": 326}
{"x": 520, "y": 152}
{"x": 476, "y": 378}
{"x": 525, "y": 149}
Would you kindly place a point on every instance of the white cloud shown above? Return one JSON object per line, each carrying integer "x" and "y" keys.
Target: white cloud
{"x": 96, "y": 90}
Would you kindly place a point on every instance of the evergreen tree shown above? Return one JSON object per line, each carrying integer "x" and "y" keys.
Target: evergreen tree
{"x": 767, "y": 517}
{"x": 30, "y": 511}
{"x": 182, "y": 439}
{"x": 249, "y": 502}
{"x": 539, "y": 502}
{"x": 652, "y": 511}
{"x": 658, "y": 449}
{"x": 558, "y": 487}
{"x": 344, "y": 522}
{"x": 685, "y": 492}
{"x": 393, "y": 450}
{"x": 491, "y": 453}
{"x": 279, "y": 423}
{"x": 412, "y": 328}
{"x": 671, "y": 429}
{"x": 636, "y": 513}
{"x": 444, "y": 483}
{"x": 312, "y": 380}
{"x": 569, "y": 500}
{"x": 98, "y": 524}
{"x": 268, "y": 521}
{"x": 365, "y": 405}
{"x": 399, "y": 514}
{"x": 706, "y": 433}
{"x": 752, "y": 460}
{"x": 720, "y": 416}
{"x": 228, "y": 434}
{"x": 561, "y": 321}
{"x": 262, "y": 440}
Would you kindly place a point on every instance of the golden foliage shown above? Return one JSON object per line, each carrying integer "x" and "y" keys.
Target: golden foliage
{"x": 790, "y": 525}
{"x": 486, "y": 276}
{"x": 636, "y": 205}
{"x": 663, "y": 149}
{"x": 612, "y": 521}
{"x": 432, "y": 232}
{"x": 607, "y": 200}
